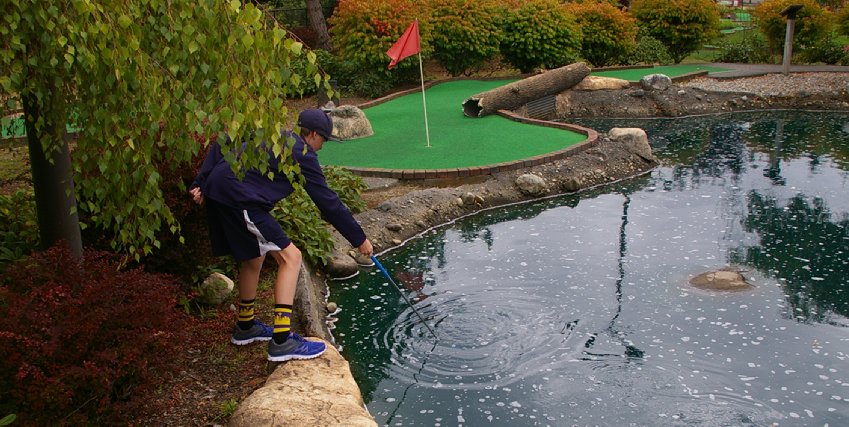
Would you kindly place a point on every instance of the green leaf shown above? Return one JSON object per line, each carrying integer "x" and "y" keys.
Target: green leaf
{"x": 124, "y": 21}
{"x": 247, "y": 40}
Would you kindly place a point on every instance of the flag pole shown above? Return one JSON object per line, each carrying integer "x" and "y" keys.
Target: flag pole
{"x": 424, "y": 101}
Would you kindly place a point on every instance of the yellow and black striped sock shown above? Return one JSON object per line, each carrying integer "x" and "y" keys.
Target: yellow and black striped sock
{"x": 282, "y": 322}
{"x": 246, "y": 314}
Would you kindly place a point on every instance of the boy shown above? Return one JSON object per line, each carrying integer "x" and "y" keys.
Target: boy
{"x": 240, "y": 224}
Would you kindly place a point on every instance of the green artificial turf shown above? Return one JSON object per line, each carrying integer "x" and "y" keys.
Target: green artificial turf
{"x": 635, "y": 74}
{"x": 457, "y": 141}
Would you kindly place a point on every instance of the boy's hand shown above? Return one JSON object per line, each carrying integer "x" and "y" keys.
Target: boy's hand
{"x": 197, "y": 196}
{"x": 366, "y": 248}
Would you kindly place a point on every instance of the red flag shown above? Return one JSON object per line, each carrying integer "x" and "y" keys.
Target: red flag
{"x": 407, "y": 45}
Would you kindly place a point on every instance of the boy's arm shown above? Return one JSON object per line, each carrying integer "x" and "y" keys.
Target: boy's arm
{"x": 328, "y": 202}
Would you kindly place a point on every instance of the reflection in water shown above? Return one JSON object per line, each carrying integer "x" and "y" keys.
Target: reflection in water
{"x": 576, "y": 310}
{"x": 802, "y": 245}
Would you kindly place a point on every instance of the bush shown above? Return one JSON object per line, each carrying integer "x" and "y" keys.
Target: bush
{"x": 348, "y": 186}
{"x": 749, "y": 50}
{"x": 648, "y": 51}
{"x": 18, "y": 226}
{"x": 81, "y": 339}
{"x": 539, "y": 34}
{"x": 827, "y": 51}
{"x": 681, "y": 25}
{"x": 841, "y": 21}
{"x": 812, "y": 24}
{"x": 465, "y": 33}
{"x": 363, "y": 30}
{"x": 351, "y": 77}
{"x": 302, "y": 221}
{"x": 608, "y": 32}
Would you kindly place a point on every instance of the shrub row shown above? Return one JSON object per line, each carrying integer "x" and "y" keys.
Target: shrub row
{"x": 533, "y": 34}
{"x": 81, "y": 339}
{"x": 527, "y": 35}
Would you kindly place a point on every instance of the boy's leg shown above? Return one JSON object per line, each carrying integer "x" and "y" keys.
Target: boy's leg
{"x": 286, "y": 345}
{"x": 288, "y": 269}
{"x": 248, "y": 329}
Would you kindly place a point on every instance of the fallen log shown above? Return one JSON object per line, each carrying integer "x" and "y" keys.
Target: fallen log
{"x": 516, "y": 94}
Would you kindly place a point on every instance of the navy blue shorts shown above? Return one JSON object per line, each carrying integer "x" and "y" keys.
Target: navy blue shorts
{"x": 245, "y": 234}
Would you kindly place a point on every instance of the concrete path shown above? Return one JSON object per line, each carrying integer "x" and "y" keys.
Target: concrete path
{"x": 749, "y": 70}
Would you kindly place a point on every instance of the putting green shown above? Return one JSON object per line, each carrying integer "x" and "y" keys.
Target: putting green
{"x": 457, "y": 141}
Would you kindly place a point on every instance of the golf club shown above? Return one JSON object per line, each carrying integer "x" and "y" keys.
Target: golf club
{"x": 386, "y": 273}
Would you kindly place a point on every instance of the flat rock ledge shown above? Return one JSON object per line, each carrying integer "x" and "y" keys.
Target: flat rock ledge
{"x": 317, "y": 392}
{"x": 724, "y": 279}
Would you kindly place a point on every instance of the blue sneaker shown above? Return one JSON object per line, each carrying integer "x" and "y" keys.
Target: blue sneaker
{"x": 294, "y": 348}
{"x": 258, "y": 332}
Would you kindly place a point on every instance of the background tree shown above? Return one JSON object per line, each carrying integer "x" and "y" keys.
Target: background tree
{"x": 465, "y": 33}
{"x": 812, "y": 23}
{"x": 315, "y": 16}
{"x": 682, "y": 25}
{"x": 142, "y": 79}
{"x": 608, "y": 32}
{"x": 539, "y": 34}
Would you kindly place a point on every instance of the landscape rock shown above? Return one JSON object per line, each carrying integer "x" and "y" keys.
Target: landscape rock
{"x": 349, "y": 122}
{"x": 340, "y": 267}
{"x": 655, "y": 82}
{"x": 601, "y": 83}
{"x": 634, "y": 139}
{"x": 532, "y": 185}
{"x": 317, "y": 392}
{"x": 215, "y": 289}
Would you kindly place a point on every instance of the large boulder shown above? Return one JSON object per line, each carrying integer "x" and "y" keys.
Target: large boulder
{"x": 316, "y": 392}
{"x": 349, "y": 122}
{"x": 634, "y": 139}
{"x": 656, "y": 82}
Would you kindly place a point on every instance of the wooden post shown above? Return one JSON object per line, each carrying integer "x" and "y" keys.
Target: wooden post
{"x": 790, "y": 13}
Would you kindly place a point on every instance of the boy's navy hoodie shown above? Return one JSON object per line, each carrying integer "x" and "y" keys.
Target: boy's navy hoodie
{"x": 256, "y": 191}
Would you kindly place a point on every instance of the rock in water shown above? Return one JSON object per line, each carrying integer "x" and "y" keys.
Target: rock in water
{"x": 721, "y": 280}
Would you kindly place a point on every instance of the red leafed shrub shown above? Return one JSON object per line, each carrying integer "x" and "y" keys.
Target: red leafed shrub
{"x": 81, "y": 340}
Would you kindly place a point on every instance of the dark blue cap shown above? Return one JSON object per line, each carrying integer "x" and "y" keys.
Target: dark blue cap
{"x": 318, "y": 121}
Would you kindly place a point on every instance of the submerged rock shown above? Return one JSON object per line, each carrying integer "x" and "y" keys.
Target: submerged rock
{"x": 725, "y": 279}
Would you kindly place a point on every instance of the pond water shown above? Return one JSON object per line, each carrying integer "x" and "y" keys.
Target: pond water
{"x": 576, "y": 310}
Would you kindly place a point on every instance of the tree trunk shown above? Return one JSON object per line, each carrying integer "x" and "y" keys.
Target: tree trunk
{"x": 317, "y": 23}
{"x": 516, "y": 94}
{"x": 52, "y": 180}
